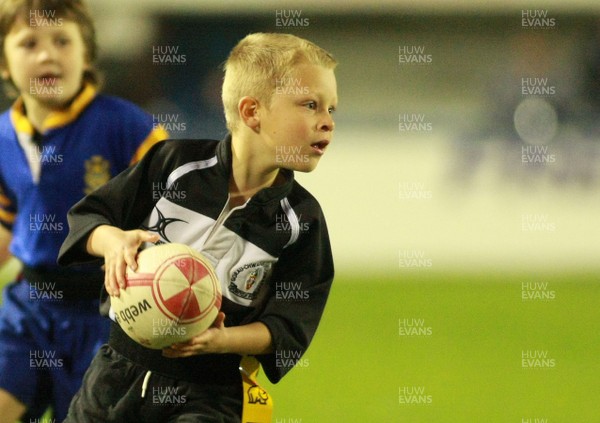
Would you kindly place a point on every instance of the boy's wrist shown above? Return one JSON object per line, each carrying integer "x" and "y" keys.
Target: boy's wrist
{"x": 96, "y": 243}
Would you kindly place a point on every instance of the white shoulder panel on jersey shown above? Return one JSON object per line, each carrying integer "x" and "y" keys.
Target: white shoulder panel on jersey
{"x": 293, "y": 219}
{"x": 188, "y": 167}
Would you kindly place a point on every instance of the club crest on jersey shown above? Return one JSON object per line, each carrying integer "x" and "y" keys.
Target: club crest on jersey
{"x": 246, "y": 279}
{"x": 97, "y": 173}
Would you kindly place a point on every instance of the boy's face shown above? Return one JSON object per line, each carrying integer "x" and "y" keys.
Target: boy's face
{"x": 298, "y": 125}
{"x": 46, "y": 62}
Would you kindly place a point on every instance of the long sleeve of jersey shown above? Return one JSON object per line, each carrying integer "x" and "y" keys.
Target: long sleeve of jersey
{"x": 299, "y": 289}
{"x": 122, "y": 202}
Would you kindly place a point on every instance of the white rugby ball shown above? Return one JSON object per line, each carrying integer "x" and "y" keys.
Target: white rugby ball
{"x": 173, "y": 296}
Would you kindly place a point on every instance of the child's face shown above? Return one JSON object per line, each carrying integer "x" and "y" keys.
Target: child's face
{"x": 46, "y": 63}
{"x": 299, "y": 125}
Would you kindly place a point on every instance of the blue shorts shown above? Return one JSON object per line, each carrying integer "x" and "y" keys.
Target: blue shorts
{"x": 46, "y": 345}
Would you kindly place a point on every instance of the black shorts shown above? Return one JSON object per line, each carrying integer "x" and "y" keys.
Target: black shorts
{"x": 112, "y": 392}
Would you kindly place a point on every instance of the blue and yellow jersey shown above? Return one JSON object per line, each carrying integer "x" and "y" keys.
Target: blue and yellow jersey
{"x": 43, "y": 175}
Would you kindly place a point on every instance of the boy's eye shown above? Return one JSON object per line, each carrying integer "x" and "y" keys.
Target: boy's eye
{"x": 311, "y": 105}
{"x": 63, "y": 41}
{"x": 29, "y": 44}
{"x": 331, "y": 110}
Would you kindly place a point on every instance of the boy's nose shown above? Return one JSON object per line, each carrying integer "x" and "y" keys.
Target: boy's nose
{"x": 47, "y": 53}
{"x": 327, "y": 123}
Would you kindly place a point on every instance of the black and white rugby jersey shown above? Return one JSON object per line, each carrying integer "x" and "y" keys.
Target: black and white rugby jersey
{"x": 272, "y": 255}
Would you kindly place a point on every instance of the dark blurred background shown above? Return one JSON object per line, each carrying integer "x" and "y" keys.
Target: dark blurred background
{"x": 502, "y": 171}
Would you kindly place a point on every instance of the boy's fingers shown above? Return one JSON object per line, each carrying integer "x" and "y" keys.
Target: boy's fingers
{"x": 152, "y": 237}
{"x": 110, "y": 282}
{"x": 107, "y": 272}
{"x": 119, "y": 270}
{"x": 106, "y": 284}
{"x": 130, "y": 259}
{"x": 114, "y": 288}
{"x": 144, "y": 236}
{"x": 219, "y": 320}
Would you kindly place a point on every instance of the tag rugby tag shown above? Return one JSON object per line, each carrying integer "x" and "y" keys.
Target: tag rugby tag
{"x": 258, "y": 404}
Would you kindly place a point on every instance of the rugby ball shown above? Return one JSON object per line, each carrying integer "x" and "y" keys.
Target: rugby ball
{"x": 173, "y": 296}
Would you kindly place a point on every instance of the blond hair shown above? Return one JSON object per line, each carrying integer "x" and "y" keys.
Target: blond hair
{"x": 258, "y": 61}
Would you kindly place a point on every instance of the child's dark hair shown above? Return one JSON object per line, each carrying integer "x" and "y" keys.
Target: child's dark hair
{"x": 71, "y": 10}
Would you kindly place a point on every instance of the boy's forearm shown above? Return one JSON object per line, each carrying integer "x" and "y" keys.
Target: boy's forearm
{"x": 253, "y": 339}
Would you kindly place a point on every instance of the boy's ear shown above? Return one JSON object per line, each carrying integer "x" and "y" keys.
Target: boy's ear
{"x": 248, "y": 110}
{"x": 4, "y": 74}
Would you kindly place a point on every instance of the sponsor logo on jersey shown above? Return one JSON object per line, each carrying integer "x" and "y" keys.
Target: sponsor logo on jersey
{"x": 97, "y": 173}
{"x": 161, "y": 225}
{"x": 246, "y": 279}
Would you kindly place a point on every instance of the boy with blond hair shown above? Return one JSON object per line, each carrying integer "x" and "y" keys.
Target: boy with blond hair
{"x": 60, "y": 140}
{"x": 245, "y": 212}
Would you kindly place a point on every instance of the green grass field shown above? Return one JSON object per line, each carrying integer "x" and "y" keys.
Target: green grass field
{"x": 467, "y": 369}
{"x": 465, "y": 366}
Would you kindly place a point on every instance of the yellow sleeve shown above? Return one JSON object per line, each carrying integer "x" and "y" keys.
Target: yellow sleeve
{"x": 7, "y": 215}
{"x": 157, "y": 135}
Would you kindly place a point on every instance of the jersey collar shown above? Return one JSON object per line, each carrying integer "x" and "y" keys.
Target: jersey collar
{"x": 265, "y": 195}
{"x": 55, "y": 119}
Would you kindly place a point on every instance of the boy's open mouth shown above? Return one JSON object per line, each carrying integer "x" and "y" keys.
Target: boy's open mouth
{"x": 48, "y": 78}
{"x": 320, "y": 146}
